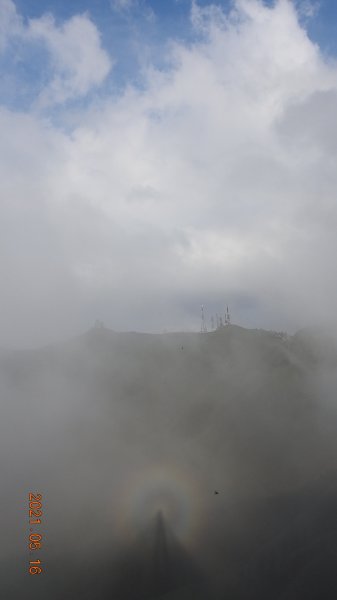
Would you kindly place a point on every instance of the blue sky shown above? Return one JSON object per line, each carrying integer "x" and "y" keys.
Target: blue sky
{"x": 171, "y": 16}
{"x": 161, "y": 156}
{"x": 149, "y": 24}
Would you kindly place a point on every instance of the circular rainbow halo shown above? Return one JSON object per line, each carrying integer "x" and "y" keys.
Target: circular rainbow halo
{"x": 166, "y": 489}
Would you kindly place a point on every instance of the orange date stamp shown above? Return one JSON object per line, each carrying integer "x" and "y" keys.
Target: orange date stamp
{"x": 35, "y": 539}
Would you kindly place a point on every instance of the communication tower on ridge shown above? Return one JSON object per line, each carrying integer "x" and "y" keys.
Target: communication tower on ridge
{"x": 203, "y": 328}
{"x": 227, "y": 317}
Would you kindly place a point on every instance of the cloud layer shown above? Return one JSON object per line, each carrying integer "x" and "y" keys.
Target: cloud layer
{"x": 212, "y": 182}
{"x": 76, "y": 60}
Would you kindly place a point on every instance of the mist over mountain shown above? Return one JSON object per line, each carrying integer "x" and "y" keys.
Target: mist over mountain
{"x": 156, "y": 155}
{"x": 127, "y": 436}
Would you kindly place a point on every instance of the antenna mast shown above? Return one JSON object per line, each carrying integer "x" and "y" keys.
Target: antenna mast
{"x": 203, "y": 328}
{"x": 227, "y": 317}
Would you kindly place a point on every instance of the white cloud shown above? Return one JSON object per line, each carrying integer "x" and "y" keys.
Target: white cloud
{"x": 10, "y": 22}
{"x": 123, "y": 4}
{"x": 78, "y": 59}
{"x": 139, "y": 7}
{"x": 308, "y": 8}
{"x": 78, "y": 63}
{"x": 215, "y": 181}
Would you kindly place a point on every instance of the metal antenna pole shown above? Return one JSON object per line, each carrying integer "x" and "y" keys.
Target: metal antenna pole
{"x": 203, "y": 320}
